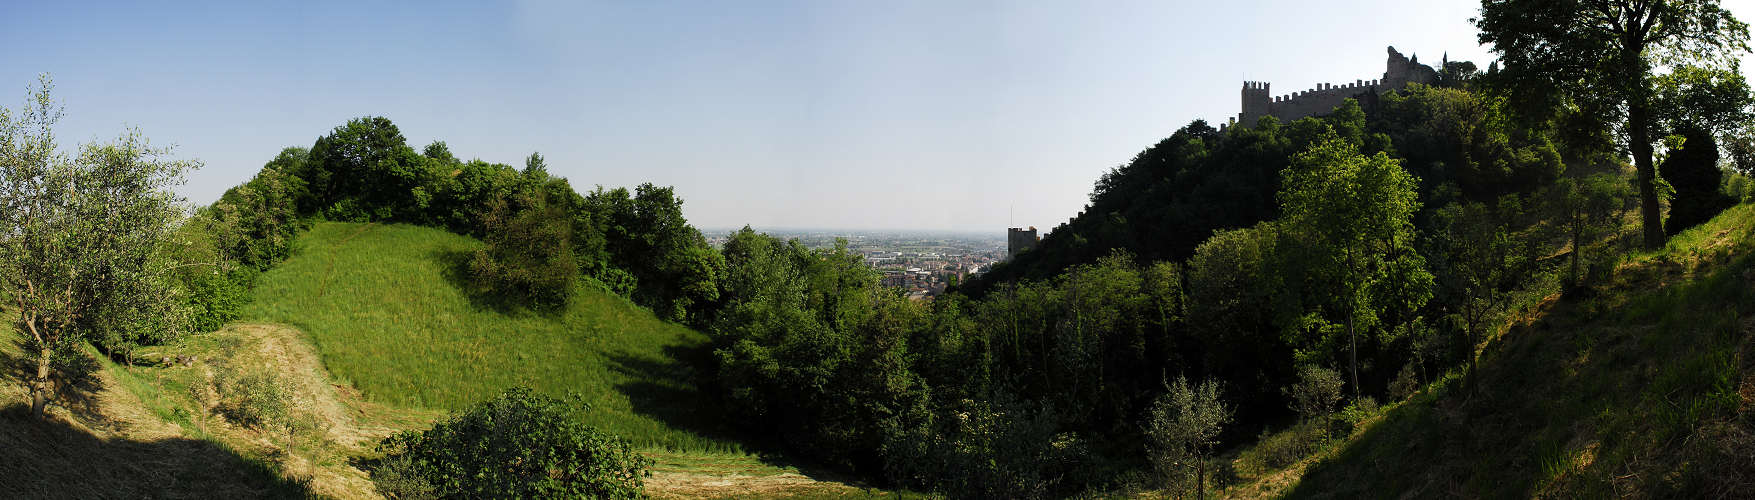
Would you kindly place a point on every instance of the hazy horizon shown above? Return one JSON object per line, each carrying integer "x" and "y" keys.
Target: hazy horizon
{"x": 967, "y": 117}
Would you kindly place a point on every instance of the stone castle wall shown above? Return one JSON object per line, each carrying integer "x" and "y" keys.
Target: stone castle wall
{"x": 1258, "y": 100}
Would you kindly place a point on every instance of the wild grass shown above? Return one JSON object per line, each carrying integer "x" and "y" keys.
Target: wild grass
{"x": 387, "y": 308}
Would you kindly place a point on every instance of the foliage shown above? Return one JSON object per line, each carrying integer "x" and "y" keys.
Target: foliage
{"x": 1315, "y": 394}
{"x": 1485, "y": 261}
{"x": 1605, "y": 54}
{"x": 527, "y": 252}
{"x": 81, "y": 237}
{"x": 1351, "y": 217}
{"x": 364, "y": 171}
{"x": 520, "y": 444}
{"x": 262, "y": 214}
{"x": 1587, "y": 210}
{"x": 1182, "y": 429}
{"x": 1469, "y": 139}
{"x": 252, "y": 397}
{"x": 673, "y": 269}
{"x": 1694, "y": 171}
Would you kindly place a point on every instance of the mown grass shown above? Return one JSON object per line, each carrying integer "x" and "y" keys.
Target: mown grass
{"x": 387, "y": 310}
{"x": 1627, "y": 390}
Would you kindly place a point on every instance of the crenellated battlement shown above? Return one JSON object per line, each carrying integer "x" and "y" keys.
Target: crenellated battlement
{"x": 1324, "y": 97}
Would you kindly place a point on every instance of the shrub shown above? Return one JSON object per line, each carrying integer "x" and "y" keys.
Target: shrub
{"x": 527, "y": 254}
{"x": 255, "y": 399}
{"x": 217, "y": 297}
{"x": 991, "y": 449}
{"x": 1405, "y": 384}
{"x": 518, "y": 445}
{"x": 1317, "y": 391}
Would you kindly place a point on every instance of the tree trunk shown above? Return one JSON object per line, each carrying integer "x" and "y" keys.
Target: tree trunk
{"x": 1353, "y": 350}
{"x": 40, "y": 387}
{"x": 1639, "y": 141}
{"x": 1200, "y": 479}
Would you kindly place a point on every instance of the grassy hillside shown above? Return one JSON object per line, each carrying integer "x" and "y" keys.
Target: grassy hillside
{"x": 1642, "y": 387}
{"x": 384, "y": 307}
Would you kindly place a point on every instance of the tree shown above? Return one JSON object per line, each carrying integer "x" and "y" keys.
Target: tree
{"x": 1315, "y": 394}
{"x": 1354, "y": 216}
{"x": 1182, "y": 428}
{"x": 1603, "y": 50}
{"x": 1486, "y": 263}
{"x": 1693, "y": 171}
{"x": 365, "y": 171}
{"x": 1587, "y": 208}
{"x": 527, "y": 251}
{"x": 263, "y": 212}
{"x": 80, "y": 234}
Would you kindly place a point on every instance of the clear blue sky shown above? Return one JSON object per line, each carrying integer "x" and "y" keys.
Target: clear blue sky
{"x": 836, "y": 114}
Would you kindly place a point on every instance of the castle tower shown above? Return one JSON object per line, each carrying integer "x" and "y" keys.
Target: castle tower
{"x": 1019, "y": 240}
{"x": 1256, "y": 103}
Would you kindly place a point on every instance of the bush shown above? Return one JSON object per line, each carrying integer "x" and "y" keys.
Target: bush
{"x": 1405, "y": 384}
{"x": 217, "y": 297}
{"x": 518, "y": 445}
{"x": 997, "y": 449}
{"x": 255, "y": 399}
{"x": 1275, "y": 451}
{"x": 527, "y": 254}
{"x": 1317, "y": 391}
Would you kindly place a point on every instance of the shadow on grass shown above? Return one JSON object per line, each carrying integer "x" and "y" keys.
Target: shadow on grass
{"x": 53, "y": 459}
{"x": 1587, "y": 402}
{"x": 74, "y": 378}
{"x": 675, "y": 390}
{"x": 669, "y": 389}
{"x": 456, "y": 264}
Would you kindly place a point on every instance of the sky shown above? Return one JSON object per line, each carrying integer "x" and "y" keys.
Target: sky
{"x": 929, "y": 115}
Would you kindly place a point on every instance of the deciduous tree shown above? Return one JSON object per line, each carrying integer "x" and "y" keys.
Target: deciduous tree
{"x": 1353, "y": 216}
{"x": 1606, "y": 51}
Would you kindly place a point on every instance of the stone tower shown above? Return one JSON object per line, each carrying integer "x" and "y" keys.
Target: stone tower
{"x": 1256, "y": 102}
{"x": 1018, "y": 240}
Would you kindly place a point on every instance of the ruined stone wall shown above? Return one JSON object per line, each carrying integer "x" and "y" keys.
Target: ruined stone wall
{"x": 1399, "y": 71}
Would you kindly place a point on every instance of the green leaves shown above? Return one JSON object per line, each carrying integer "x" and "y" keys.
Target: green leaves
{"x": 79, "y": 256}
{"x": 520, "y": 444}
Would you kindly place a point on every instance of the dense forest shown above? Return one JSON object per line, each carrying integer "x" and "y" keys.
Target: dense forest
{"x": 1220, "y": 285}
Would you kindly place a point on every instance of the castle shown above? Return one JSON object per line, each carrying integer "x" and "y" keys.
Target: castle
{"x": 1400, "y": 72}
{"x": 1019, "y": 240}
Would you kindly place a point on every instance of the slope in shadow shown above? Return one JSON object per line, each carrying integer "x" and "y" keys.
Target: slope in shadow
{"x": 54, "y": 459}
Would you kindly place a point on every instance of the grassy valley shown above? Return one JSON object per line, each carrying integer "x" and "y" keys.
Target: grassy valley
{"x": 384, "y": 306}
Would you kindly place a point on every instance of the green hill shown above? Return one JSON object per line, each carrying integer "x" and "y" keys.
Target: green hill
{"x": 385, "y": 308}
{"x": 1644, "y": 387}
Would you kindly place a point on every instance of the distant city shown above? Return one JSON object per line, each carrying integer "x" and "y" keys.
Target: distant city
{"x": 920, "y": 263}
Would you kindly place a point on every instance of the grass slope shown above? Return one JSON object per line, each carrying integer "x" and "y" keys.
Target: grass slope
{"x": 1644, "y": 388}
{"x": 384, "y": 307}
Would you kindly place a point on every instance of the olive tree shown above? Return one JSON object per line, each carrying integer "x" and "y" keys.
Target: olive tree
{"x": 78, "y": 236}
{"x": 1183, "y": 427}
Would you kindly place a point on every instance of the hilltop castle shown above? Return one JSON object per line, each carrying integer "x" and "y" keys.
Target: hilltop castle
{"x": 1323, "y": 99}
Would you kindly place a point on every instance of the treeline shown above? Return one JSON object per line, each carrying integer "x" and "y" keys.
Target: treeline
{"x": 541, "y": 236}
{"x": 1220, "y": 284}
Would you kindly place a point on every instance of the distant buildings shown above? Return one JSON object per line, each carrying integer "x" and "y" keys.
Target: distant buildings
{"x": 1018, "y": 240}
